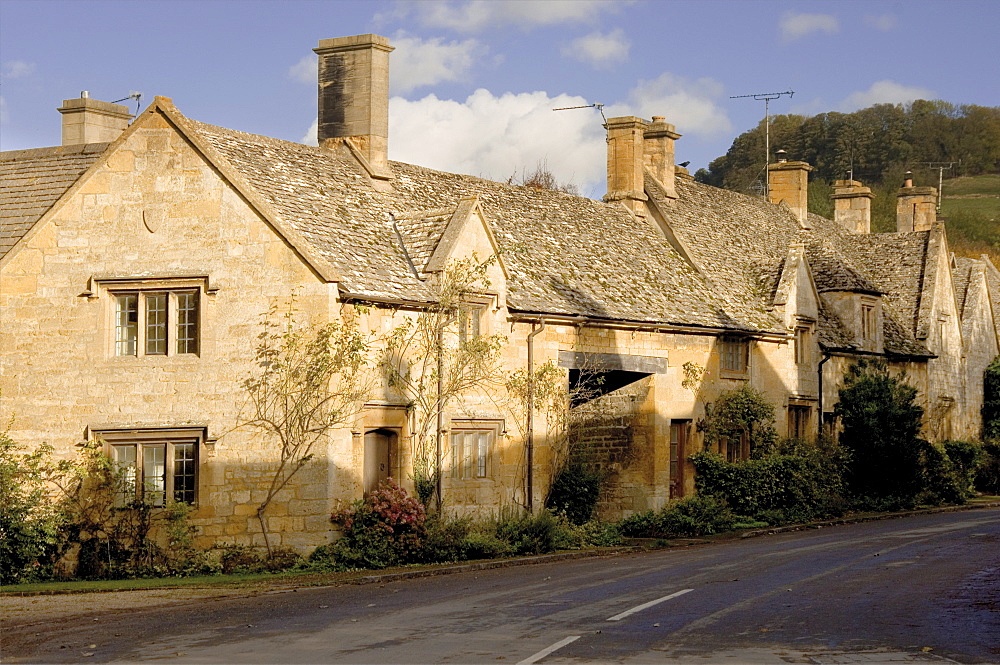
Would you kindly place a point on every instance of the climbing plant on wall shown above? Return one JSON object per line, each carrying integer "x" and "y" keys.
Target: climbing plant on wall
{"x": 743, "y": 410}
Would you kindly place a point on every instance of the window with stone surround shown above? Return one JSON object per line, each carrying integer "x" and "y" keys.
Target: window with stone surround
{"x": 735, "y": 352}
{"x": 157, "y": 465}
{"x": 803, "y": 344}
{"x": 869, "y": 322}
{"x": 155, "y": 316}
{"x": 472, "y": 444}
{"x": 470, "y": 320}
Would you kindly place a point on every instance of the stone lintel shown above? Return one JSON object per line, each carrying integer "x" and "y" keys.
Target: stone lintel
{"x": 606, "y": 362}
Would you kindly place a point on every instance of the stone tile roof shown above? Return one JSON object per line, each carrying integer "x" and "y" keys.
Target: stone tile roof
{"x": 421, "y": 232}
{"x": 962, "y": 275}
{"x": 31, "y": 181}
{"x": 896, "y": 263}
{"x": 566, "y": 254}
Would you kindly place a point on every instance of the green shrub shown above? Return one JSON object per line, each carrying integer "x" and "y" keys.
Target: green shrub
{"x": 575, "y": 492}
{"x": 527, "y": 533}
{"x": 445, "y": 539}
{"x": 29, "y": 520}
{"x": 384, "y": 529}
{"x": 693, "y": 516}
{"x": 778, "y": 488}
{"x": 481, "y": 545}
{"x": 881, "y": 426}
{"x": 988, "y": 474}
{"x": 991, "y": 401}
{"x": 239, "y": 559}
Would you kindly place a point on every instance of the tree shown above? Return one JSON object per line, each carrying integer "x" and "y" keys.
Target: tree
{"x": 991, "y": 401}
{"x": 881, "y": 428}
{"x": 307, "y": 381}
{"x": 744, "y": 411}
{"x": 438, "y": 355}
{"x": 543, "y": 178}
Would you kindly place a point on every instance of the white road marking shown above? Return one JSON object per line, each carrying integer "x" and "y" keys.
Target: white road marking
{"x": 547, "y": 650}
{"x": 640, "y": 608}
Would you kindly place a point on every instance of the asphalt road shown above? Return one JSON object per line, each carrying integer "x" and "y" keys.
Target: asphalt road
{"x": 918, "y": 589}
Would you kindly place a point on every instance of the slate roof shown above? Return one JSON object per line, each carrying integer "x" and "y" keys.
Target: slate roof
{"x": 31, "y": 181}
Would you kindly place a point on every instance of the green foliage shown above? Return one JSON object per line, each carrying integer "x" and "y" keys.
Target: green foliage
{"x": 744, "y": 409}
{"x": 29, "y": 519}
{"x": 575, "y": 491}
{"x": 945, "y": 481}
{"x": 689, "y": 517}
{"x": 435, "y": 356}
{"x": 988, "y": 473}
{"x": 881, "y": 428}
{"x": 527, "y": 533}
{"x": 307, "y": 380}
{"x": 793, "y": 484}
{"x": 868, "y": 143}
{"x": 384, "y": 529}
{"x": 991, "y": 401}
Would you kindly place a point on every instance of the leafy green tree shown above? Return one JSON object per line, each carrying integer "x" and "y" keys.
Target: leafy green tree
{"x": 744, "y": 410}
{"x": 991, "y": 401}
{"x": 881, "y": 429}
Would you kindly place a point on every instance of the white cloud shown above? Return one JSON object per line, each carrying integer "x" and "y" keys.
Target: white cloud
{"x": 884, "y": 92}
{"x": 419, "y": 62}
{"x": 477, "y": 15}
{"x": 3, "y": 111}
{"x": 689, "y": 105}
{"x": 415, "y": 62}
{"x": 795, "y": 26}
{"x": 304, "y": 71}
{"x": 500, "y": 136}
{"x": 599, "y": 50}
{"x": 15, "y": 69}
{"x": 883, "y": 22}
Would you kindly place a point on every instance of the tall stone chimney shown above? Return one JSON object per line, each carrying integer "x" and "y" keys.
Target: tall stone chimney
{"x": 659, "y": 153}
{"x": 86, "y": 120}
{"x": 916, "y": 207}
{"x": 852, "y": 206}
{"x": 626, "y": 160}
{"x": 354, "y": 97}
{"x": 790, "y": 185}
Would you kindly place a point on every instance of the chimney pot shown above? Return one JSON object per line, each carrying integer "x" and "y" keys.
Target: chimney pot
{"x": 782, "y": 156}
{"x": 84, "y": 94}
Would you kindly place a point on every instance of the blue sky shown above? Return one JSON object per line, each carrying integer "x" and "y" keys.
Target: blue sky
{"x": 474, "y": 82}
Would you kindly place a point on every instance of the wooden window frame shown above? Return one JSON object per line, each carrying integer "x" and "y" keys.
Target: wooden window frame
{"x": 734, "y": 356}
{"x": 178, "y": 334}
{"x": 171, "y": 442}
{"x": 471, "y": 460}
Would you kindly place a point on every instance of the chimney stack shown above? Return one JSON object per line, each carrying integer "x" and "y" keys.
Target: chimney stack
{"x": 916, "y": 207}
{"x": 86, "y": 120}
{"x": 852, "y": 206}
{"x": 626, "y": 161}
{"x": 658, "y": 154}
{"x": 354, "y": 97}
{"x": 789, "y": 183}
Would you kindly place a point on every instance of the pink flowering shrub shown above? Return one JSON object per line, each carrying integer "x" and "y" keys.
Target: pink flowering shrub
{"x": 385, "y": 528}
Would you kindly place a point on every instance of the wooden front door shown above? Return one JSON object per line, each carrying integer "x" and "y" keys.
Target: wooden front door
{"x": 378, "y": 445}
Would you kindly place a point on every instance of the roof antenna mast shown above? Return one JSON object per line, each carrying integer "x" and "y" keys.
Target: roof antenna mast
{"x": 598, "y": 106}
{"x": 766, "y": 97}
{"x": 132, "y": 94}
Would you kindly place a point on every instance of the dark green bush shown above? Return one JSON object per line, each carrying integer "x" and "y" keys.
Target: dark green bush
{"x": 527, "y": 533}
{"x": 988, "y": 474}
{"x": 480, "y": 545}
{"x": 881, "y": 427}
{"x": 445, "y": 539}
{"x": 991, "y": 401}
{"x": 693, "y": 516}
{"x": 240, "y": 559}
{"x": 778, "y": 488}
{"x": 575, "y": 492}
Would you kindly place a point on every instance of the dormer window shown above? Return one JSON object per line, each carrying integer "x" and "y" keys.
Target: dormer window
{"x": 803, "y": 344}
{"x": 470, "y": 321}
{"x": 869, "y": 323}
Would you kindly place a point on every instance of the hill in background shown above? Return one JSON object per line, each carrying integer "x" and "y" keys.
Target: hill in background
{"x": 877, "y": 145}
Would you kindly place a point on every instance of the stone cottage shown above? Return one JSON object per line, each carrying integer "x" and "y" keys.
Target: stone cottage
{"x": 137, "y": 259}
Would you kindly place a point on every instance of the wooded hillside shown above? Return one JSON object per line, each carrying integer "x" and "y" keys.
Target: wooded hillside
{"x": 877, "y": 145}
